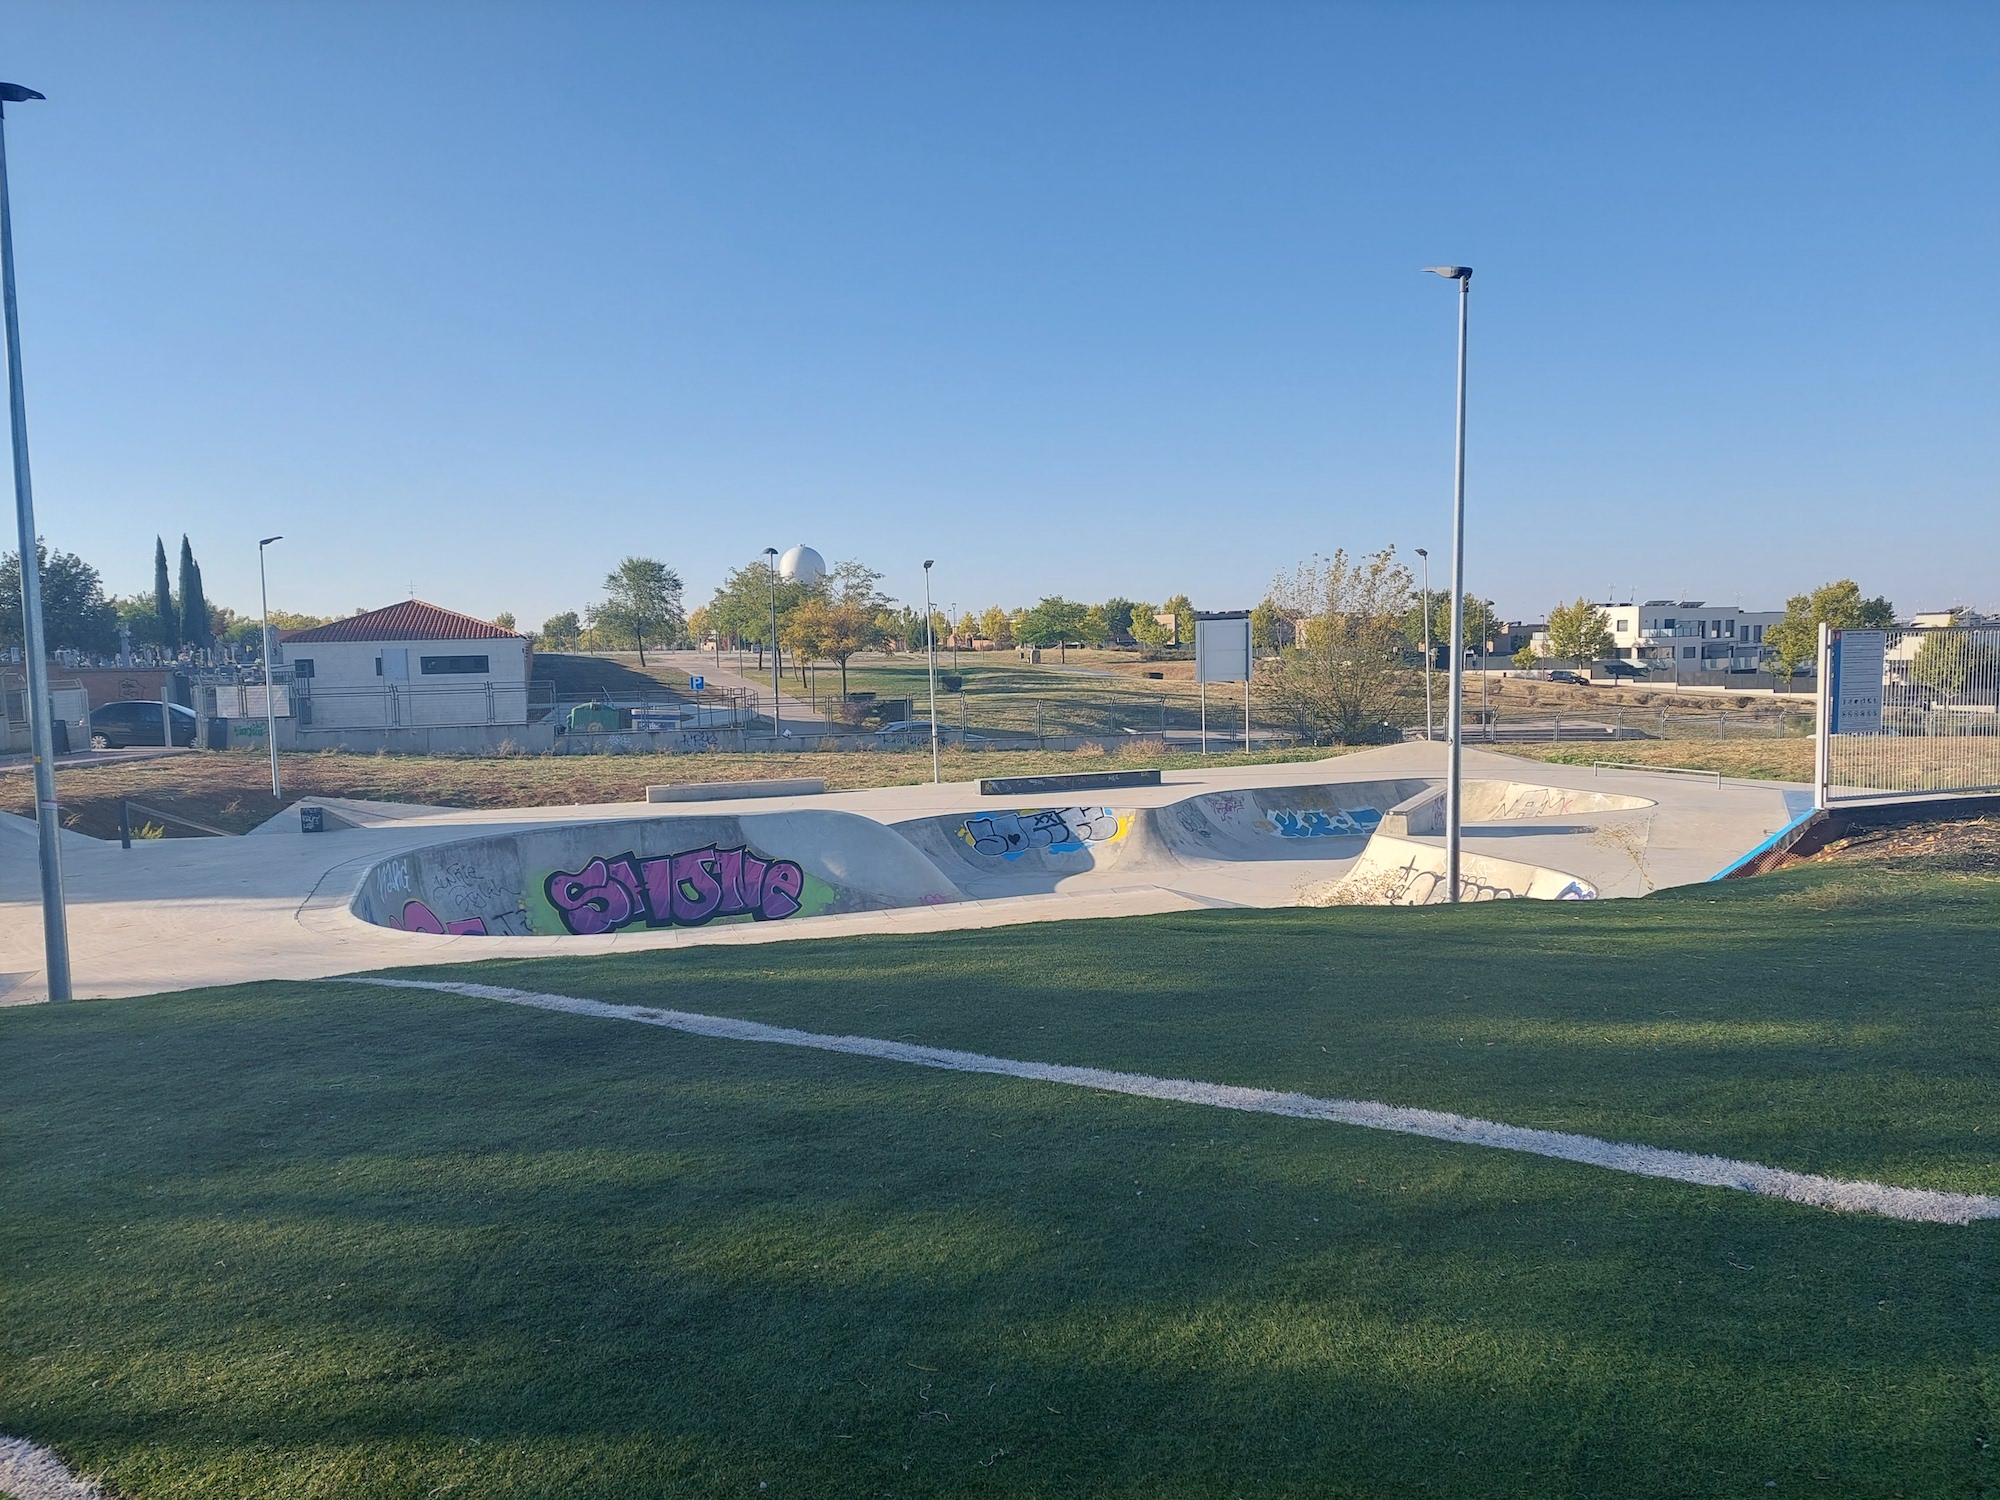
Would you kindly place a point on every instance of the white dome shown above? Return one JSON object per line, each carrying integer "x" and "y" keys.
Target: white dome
{"x": 802, "y": 565}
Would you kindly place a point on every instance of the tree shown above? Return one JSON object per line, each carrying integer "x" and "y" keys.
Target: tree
{"x": 1096, "y": 629}
{"x": 197, "y": 630}
{"x": 562, "y": 632}
{"x": 1579, "y": 632}
{"x": 1527, "y": 658}
{"x": 997, "y": 626}
{"x": 1271, "y": 628}
{"x": 75, "y": 614}
{"x": 966, "y": 628}
{"x": 1182, "y": 609}
{"x": 642, "y": 597}
{"x": 1346, "y": 680}
{"x": 1055, "y": 621}
{"x": 1118, "y": 615}
{"x": 1481, "y": 623}
{"x": 505, "y": 619}
{"x": 853, "y": 582}
{"x": 169, "y": 620}
{"x": 1947, "y": 661}
{"x": 1147, "y": 629}
{"x": 741, "y": 608}
{"x": 1794, "y": 640}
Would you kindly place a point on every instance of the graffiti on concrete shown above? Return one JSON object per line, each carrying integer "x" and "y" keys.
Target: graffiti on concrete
{"x": 1316, "y": 823}
{"x": 679, "y": 890}
{"x": 1410, "y": 886}
{"x": 418, "y": 917}
{"x": 1053, "y": 830}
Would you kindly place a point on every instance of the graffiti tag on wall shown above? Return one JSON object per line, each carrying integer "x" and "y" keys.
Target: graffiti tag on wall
{"x": 418, "y": 917}
{"x": 680, "y": 890}
{"x": 1056, "y": 830}
{"x": 1314, "y": 823}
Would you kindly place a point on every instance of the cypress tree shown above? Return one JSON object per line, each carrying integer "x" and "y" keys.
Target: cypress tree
{"x": 163, "y": 598}
{"x": 194, "y": 605}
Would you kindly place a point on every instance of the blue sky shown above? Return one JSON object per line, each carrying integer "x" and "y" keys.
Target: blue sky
{"x": 1096, "y": 299}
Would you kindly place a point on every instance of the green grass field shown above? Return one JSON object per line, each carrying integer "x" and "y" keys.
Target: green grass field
{"x": 327, "y": 1240}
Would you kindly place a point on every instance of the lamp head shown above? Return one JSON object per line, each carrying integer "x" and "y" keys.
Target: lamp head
{"x": 13, "y": 93}
{"x": 1451, "y": 273}
{"x": 267, "y": 542}
{"x": 1422, "y": 553}
{"x": 770, "y": 551}
{"x": 927, "y": 563}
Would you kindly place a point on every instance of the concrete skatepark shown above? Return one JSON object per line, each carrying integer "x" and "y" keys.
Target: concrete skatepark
{"x": 394, "y": 884}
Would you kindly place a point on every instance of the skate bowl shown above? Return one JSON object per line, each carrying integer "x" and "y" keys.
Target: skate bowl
{"x": 589, "y": 878}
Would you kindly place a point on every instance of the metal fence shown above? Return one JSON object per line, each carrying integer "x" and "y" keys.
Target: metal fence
{"x": 1908, "y": 711}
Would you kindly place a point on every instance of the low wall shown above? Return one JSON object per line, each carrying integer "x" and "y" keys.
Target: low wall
{"x": 441, "y": 739}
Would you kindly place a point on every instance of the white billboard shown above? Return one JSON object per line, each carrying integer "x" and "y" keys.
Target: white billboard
{"x": 1222, "y": 646}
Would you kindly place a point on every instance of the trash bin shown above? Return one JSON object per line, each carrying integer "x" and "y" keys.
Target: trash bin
{"x": 59, "y": 732}
{"x": 312, "y": 820}
{"x": 216, "y": 733}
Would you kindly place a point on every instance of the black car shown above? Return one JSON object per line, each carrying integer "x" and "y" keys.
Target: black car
{"x": 117, "y": 725}
{"x": 1574, "y": 679}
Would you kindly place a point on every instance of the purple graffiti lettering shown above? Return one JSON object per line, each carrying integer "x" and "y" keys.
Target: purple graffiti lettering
{"x": 781, "y": 891}
{"x": 753, "y": 880}
{"x": 467, "y": 926}
{"x": 697, "y": 893}
{"x": 591, "y": 900}
{"x": 686, "y": 890}
{"x": 729, "y": 875}
{"x": 418, "y": 917}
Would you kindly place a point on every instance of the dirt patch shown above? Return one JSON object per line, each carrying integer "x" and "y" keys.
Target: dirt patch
{"x": 1961, "y": 845}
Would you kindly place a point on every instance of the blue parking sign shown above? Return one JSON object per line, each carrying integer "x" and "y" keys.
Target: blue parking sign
{"x": 696, "y": 684}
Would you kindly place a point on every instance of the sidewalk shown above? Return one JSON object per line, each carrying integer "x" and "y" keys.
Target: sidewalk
{"x": 798, "y": 713}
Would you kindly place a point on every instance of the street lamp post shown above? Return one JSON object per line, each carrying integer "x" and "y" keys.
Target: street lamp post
{"x": 954, "y": 635}
{"x": 777, "y": 725}
{"x": 1428, "y": 732}
{"x": 270, "y": 708}
{"x": 930, "y": 657}
{"x": 48, "y": 825}
{"x": 1455, "y": 708}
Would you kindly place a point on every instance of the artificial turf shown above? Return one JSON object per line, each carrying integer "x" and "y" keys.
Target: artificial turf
{"x": 328, "y": 1240}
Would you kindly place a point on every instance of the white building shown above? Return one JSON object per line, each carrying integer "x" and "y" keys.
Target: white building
{"x": 1686, "y": 635}
{"x": 409, "y": 666}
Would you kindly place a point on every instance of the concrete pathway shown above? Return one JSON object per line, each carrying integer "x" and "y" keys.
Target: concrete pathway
{"x": 799, "y": 712}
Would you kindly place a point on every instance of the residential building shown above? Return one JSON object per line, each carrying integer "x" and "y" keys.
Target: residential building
{"x": 1686, "y": 635}
{"x": 410, "y": 666}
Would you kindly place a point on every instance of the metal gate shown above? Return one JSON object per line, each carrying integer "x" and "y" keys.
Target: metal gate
{"x": 1907, "y": 711}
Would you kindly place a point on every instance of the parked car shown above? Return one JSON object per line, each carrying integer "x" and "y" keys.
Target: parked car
{"x": 1574, "y": 679}
{"x": 116, "y": 725}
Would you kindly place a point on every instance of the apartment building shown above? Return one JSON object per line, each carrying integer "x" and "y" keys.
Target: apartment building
{"x": 1686, "y": 635}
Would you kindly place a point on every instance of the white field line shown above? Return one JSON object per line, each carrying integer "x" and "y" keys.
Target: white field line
{"x": 31, "y": 1473}
{"x": 1919, "y": 1204}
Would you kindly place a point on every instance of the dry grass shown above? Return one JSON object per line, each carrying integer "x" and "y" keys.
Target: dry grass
{"x": 233, "y": 791}
{"x": 1751, "y": 760}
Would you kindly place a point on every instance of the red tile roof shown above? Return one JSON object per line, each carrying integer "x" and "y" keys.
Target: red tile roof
{"x": 412, "y": 620}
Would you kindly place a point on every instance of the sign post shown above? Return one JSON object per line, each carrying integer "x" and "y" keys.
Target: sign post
{"x": 1222, "y": 654}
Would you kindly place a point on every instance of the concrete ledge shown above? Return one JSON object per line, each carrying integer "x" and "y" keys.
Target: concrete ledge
{"x": 717, "y": 791}
{"x": 1079, "y": 781}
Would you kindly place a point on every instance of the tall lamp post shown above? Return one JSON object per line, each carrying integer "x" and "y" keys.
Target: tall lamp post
{"x": 1455, "y": 708}
{"x": 930, "y": 656}
{"x": 1428, "y": 732}
{"x": 270, "y": 708}
{"x": 777, "y": 724}
{"x": 48, "y": 826}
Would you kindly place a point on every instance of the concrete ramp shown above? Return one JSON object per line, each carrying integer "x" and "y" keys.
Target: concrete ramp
{"x": 586, "y": 878}
{"x": 1402, "y": 872}
{"x": 1501, "y": 802}
{"x": 1026, "y": 850}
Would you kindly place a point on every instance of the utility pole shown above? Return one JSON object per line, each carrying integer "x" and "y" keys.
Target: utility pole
{"x": 1455, "y": 709}
{"x": 48, "y": 823}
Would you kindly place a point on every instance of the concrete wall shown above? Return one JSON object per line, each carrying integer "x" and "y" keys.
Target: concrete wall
{"x": 588, "y": 878}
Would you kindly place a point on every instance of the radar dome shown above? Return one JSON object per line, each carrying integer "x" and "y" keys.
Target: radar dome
{"x": 802, "y": 565}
